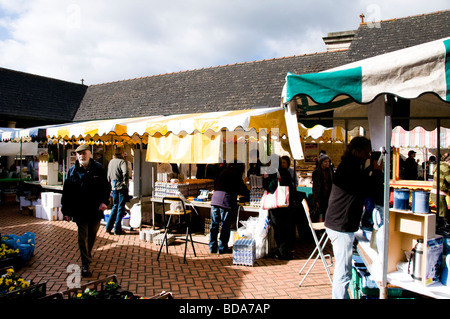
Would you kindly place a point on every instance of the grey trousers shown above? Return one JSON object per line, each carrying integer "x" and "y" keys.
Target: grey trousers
{"x": 87, "y": 233}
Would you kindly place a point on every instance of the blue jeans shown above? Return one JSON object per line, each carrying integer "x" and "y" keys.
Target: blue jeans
{"x": 219, "y": 215}
{"x": 343, "y": 252}
{"x": 118, "y": 210}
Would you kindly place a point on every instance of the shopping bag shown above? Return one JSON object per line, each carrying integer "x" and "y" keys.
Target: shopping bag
{"x": 278, "y": 199}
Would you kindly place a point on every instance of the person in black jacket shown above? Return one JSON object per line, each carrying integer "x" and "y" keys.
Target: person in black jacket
{"x": 282, "y": 218}
{"x": 352, "y": 184}
{"x": 224, "y": 200}
{"x": 86, "y": 194}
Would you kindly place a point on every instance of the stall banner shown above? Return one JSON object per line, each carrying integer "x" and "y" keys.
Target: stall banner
{"x": 184, "y": 148}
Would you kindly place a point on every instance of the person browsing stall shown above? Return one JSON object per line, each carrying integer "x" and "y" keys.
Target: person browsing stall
{"x": 223, "y": 202}
{"x": 442, "y": 221}
{"x": 118, "y": 175}
{"x": 282, "y": 218}
{"x": 85, "y": 196}
{"x": 322, "y": 179}
{"x": 352, "y": 184}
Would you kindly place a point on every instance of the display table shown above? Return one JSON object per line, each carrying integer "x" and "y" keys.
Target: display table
{"x": 404, "y": 228}
{"x": 57, "y": 187}
{"x": 198, "y": 204}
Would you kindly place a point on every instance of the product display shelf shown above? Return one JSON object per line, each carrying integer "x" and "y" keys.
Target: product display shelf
{"x": 405, "y": 228}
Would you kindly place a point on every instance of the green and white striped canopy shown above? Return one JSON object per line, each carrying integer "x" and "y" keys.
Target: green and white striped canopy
{"x": 406, "y": 73}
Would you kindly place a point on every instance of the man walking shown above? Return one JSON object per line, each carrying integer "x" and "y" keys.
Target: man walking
{"x": 86, "y": 193}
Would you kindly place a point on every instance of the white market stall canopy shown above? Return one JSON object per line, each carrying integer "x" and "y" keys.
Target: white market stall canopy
{"x": 419, "y": 137}
{"x": 98, "y": 130}
{"x": 198, "y": 138}
{"x": 22, "y": 134}
{"x": 183, "y": 138}
{"x": 420, "y": 74}
{"x": 17, "y": 149}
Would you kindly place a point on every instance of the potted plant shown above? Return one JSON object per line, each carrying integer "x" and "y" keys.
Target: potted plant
{"x": 8, "y": 256}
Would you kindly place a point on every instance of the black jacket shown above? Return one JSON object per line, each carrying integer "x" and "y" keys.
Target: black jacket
{"x": 84, "y": 190}
{"x": 228, "y": 186}
{"x": 351, "y": 186}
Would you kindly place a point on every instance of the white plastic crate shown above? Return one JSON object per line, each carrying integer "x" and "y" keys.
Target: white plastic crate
{"x": 148, "y": 234}
{"x": 158, "y": 239}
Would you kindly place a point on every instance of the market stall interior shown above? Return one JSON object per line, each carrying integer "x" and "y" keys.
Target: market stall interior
{"x": 408, "y": 87}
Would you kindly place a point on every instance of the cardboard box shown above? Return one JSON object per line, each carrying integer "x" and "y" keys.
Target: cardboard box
{"x": 29, "y": 210}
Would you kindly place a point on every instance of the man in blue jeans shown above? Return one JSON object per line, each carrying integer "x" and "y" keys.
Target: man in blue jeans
{"x": 118, "y": 177}
{"x": 224, "y": 200}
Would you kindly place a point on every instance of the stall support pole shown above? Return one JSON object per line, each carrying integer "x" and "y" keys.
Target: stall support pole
{"x": 387, "y": 170}
{"x": 438, "y": 170}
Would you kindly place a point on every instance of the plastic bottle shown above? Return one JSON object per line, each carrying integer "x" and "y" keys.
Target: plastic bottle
{"x": 418, "y": 257}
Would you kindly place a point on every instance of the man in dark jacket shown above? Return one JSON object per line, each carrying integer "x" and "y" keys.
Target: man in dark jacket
{"x": 352, "y": 184}
{"x": 86, "y": 193}
{"x": 224, "y": 200}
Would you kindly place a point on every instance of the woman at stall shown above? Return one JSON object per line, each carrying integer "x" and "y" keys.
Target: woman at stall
{"x": 282, "y": 218}
{"x": 442, "y": 221}
{"x": 322, "y": 179}
{"x": 223, "y": 202}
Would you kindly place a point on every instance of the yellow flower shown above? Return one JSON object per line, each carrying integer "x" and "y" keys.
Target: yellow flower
{"x": 10, "y": 272}
{"x": 79, "y": 295}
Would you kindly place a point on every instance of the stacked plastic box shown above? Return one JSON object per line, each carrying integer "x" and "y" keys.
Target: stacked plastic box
{"x": 148, "y": 234}
{"x": 256, "y": 190}
{"x": 187, "y": 188}
{"x": 159, "y": 239}
{"x": 50, "y": 207}
{"x": 244, "y": 252}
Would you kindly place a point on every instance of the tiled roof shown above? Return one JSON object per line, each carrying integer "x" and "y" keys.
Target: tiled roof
{"x": 252, "y": 84}
{"x": 27, "y": 98}
{"x": 390, "y": 35}
{"x": 229, "y": 87}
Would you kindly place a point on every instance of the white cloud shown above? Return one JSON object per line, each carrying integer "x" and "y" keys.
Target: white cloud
{"x": 104, "y": 41}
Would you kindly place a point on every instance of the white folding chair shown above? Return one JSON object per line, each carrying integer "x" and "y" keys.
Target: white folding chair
{"x": 320, "y": 245}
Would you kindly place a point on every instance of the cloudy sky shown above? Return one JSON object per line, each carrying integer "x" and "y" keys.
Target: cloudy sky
{"x": 111, "y": 40}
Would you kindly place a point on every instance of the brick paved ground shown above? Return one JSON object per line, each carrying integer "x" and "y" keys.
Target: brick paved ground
{"x": 134, "y": 262}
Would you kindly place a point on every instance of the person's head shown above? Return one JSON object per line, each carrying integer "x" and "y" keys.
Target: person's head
{"x": 238, "y": 167}
{"x": 285, "y": 162}
{"x": 83, "y": 154}
{"x": 411, "y": 154}
{"x": 359, "y": 149}
{"x": 119, "y": 152}
{"x": 324, "y": 161}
